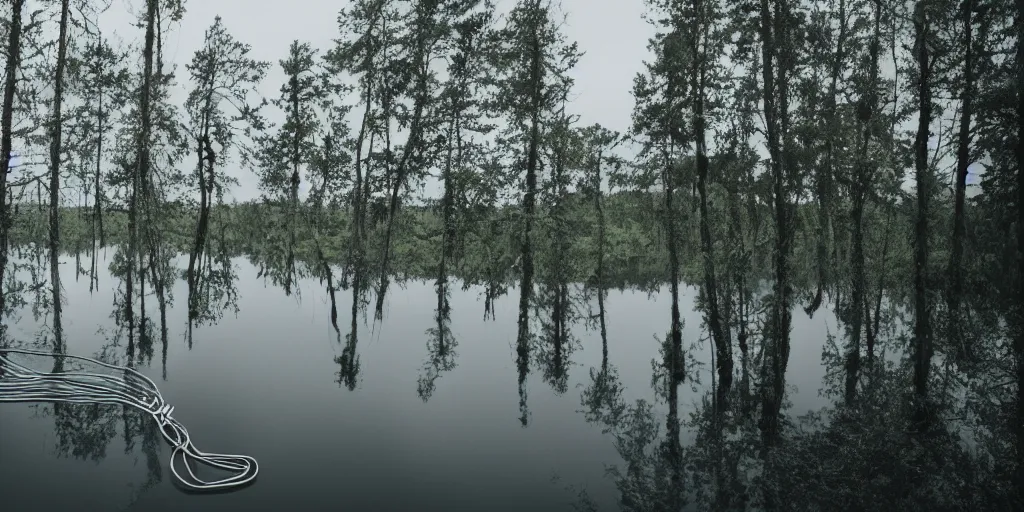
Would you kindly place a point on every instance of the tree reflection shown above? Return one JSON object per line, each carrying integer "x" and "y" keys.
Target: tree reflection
{"x": 441, "y": 353}
{"x": 348, "y": 361}
{"x": 273, "y": 252}
{"x": 602, "y": 398}
{"x": 85, "y": 431}
{"x": 212, "y": 287}
{"x": 523, "y": 344}
{"x": 556, "y": 342}
{"x": 652, "y": 476}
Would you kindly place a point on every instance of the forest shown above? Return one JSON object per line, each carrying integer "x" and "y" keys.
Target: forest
{"x": 785, "y": 157}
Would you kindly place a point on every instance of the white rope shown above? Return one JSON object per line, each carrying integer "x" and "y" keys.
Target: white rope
{"x": 19, "y": 383}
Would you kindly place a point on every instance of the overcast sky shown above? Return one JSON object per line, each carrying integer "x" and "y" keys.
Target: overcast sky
{"x": 612, "y": 33}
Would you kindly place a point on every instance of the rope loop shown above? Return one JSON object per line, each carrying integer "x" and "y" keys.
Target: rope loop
{"x": 19, "y": 383}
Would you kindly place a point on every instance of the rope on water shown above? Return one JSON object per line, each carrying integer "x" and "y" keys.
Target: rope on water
{"x": 19, "y": 383}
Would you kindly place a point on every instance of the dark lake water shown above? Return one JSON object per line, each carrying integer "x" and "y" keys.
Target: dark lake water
{"x": 264, "y": 383}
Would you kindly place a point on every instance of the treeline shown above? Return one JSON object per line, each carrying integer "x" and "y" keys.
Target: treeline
{"x": 774, "y": 136}
{"x": 632, "y": 258}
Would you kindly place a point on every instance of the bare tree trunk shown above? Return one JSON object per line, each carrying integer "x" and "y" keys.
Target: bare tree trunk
{"x": 97, "y": 204}
{"x": 6, "y": 123}
{"x": 873, "y": 329}
{"x": 55, "y": 148}
{"x": 358, "y": 197}
{"x": 777, "y": 356}
{"x": 824, "y": 177}
{"x": 414, "y": 143}
{"x": 529, "y": 199}
{"x": 714, "y": 317}
{"x": 922, "y": 310}
{"x": 963, "y": 156}
{"x": 863, "y": 179}
{"x": 676, "y": 366}
{"x": 141, "y": 164}
{"x": 447, "y": 238}
{"x": 195, "y": 260}
{"x": 1018, "y": 344}
{"x": 599, "y": 273}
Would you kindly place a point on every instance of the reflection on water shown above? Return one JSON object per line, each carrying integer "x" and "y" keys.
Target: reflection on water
{"x": 252, "y": 360}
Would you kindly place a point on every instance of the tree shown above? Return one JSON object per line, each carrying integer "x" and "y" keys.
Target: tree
{"x": 598, "y": 142}
{"x": 6, "y": 124}
{"x": 428, "y": 25}
{"x": 778, "y": 60}
{"x": 1019, "y": 339}
{"x": 221, "y": 110}
{"x": 657, "y": 101}
{"x": 922, "y": 307}
{"x": 137, "y": 171}
{"x": 860, "y": 186}
{"x": 705, "y": 48}
{"x": 963, "y": 160}
{"x": 292, "y": 145}
{"x": 531, "y": 60}
{"x": 100, "y": 78}
{"x": 55, "y": 161}
{"x": 459, "y": 112}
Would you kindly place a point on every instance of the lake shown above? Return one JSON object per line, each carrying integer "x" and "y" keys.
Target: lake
{"x": 265, "y": 383}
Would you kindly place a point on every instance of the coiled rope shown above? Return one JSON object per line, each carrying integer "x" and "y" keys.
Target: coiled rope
{"x": 19, "y": 383}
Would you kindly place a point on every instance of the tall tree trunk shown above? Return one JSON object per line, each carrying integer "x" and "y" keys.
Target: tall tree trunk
{"x": 863, "y": 178}
{"x": 739, "y": 274}
{"x": 677, "y": 368}
{"x": 676, "y": 496}
{"x": 856, "y": 303}
{"x": 358, "y": 198}
{"x": 293, "y": 193}
{"x": 205, "y": 159}
{"x": 296, "y": 144}
{"x": 873, "y": 329}
{"x": 6, "y": 124}
{"x": 447, "y": 237}
{"x": 824, "y": 176}
{"x": 723, "y": 347}
{"x": 1018, "y": 344}
{"x": 413, "y": 145}
{"x": 97, "y": 221}
{"x": 97, "y": 203}
{"x": 599, "y": 272}
{"x": 922, "y": 311}
{"x": 195, "y": 259}
{"x": 963, "y": 156}
{"x": 529, "y": 199}
{"x": 142, "y": 163}
{"x": 777, "y": 353}
{"x": 55, "y": 148}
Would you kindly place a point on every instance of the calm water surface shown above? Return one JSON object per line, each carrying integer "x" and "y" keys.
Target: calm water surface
{"x": 265, "y": 383}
